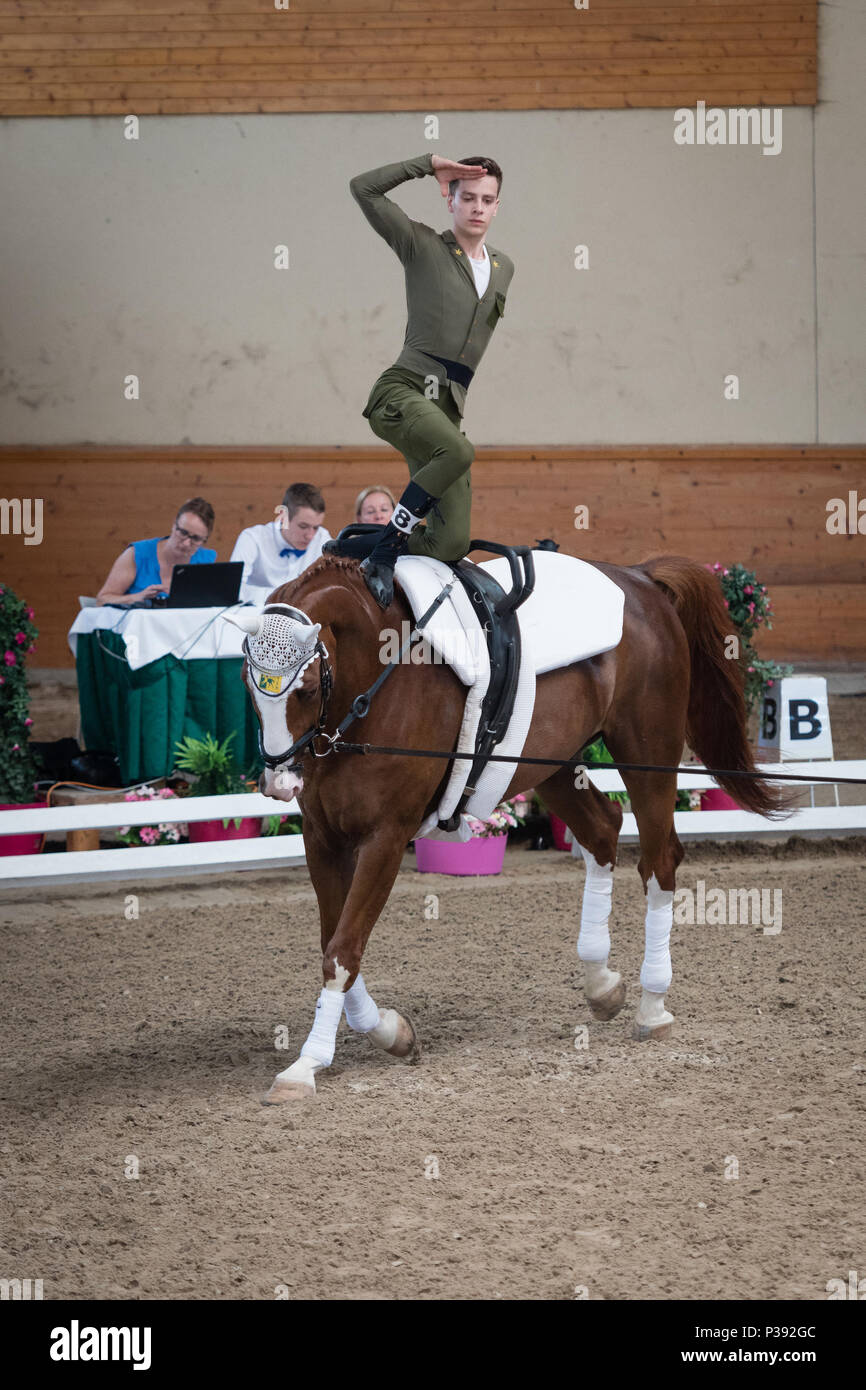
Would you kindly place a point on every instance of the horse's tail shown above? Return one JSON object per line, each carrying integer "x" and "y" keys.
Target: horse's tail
{"x": 716, "y": 719}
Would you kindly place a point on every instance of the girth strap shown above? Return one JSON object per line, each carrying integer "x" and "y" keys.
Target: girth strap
{"x": 504, "y": 650}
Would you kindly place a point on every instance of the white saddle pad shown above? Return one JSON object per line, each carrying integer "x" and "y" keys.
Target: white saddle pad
{"x": 574, "y": 612}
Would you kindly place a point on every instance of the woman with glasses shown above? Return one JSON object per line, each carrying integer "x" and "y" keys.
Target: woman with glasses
{"x": 144, "y": 568}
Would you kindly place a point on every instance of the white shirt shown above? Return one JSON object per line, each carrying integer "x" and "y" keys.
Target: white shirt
{"x": 264, "y": 568}
{"x": 481, "y": 271}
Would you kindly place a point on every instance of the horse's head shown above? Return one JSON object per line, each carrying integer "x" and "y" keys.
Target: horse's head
{"x": 287, "y": 688}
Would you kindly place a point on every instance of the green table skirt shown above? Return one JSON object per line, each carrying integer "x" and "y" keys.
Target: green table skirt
{"x": 140, "y": 715}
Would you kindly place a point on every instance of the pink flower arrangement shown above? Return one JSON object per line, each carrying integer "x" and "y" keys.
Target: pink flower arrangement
{"x": 10, "y": 658}
{"x": 166, "y": 833}
{"x": 498, "y": 822}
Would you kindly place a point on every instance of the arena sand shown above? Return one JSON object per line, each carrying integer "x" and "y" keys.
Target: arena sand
{"x": 726, "y": 1162}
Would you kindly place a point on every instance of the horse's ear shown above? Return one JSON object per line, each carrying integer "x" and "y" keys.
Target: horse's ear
{"x": 250, "y": 622}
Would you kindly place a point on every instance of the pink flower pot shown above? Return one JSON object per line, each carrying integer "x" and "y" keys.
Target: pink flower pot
{"x": 717, "y": 800}
{"x": 475, "y": 856}
{"x": 202, "y": 831}
{"x": 21, "y": 844}
{"x": 559, "y": 828}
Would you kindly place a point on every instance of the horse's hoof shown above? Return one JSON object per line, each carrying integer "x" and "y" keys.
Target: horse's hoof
{"x": 281, "y": 1091}
{"x": 646, "y": 1032}
{"x": 608, "y": 1005}
{"x": 406, "y": 1043}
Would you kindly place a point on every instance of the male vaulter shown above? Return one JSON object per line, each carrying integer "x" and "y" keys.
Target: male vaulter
{"x": 455, "y": 293}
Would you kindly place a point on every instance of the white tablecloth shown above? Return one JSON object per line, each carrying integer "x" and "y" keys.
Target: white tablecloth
{"x": 149, "y": 633}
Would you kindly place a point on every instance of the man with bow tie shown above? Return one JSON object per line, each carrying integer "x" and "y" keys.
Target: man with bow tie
{"x": 282, "y": 549}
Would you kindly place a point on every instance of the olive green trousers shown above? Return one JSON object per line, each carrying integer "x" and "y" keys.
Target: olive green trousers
{"x": 428, "y": 435}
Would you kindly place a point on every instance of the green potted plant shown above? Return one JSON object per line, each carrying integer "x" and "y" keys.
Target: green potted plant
{"x": 215, "y": 773}
{"x": 283, "y": 825}
{"x": 18, "y": 768}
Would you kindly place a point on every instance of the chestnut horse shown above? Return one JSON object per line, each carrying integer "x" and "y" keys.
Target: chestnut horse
{"x": 668, "y": 680}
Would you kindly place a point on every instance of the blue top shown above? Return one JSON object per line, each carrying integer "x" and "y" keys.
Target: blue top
{"x": 147, "y": 563}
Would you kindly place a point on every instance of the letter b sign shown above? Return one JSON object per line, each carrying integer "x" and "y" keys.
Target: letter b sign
{"x": 795, "y": 718}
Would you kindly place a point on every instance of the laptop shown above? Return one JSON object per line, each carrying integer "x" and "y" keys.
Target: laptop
{"x": 204, "y": 586}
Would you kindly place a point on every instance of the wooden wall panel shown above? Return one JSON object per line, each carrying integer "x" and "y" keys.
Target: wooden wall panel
{"x": 175, "y": 57}
{"x": 766, "y": 507}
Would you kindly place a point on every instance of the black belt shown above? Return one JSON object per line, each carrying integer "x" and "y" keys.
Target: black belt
{"x": 457, "y": 371}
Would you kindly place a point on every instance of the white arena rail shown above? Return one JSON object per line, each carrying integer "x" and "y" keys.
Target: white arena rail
{"x": 166, "y": 861}
{"x": 147, "y": 861}
{"x": 811, "y": 821}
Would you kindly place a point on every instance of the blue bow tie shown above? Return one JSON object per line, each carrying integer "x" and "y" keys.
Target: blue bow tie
{"x": 290, "y": 550}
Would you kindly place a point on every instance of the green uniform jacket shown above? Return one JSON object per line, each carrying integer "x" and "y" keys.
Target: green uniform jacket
{"x": 445, "y": 315}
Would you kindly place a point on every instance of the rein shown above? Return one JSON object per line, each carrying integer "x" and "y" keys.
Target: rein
{"x": 360, "y": 707}
{"x": 576, "y": 764}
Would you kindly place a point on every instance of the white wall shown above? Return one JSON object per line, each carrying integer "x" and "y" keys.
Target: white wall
{"x": 156, "y": 258}
{"x": 840, "y": 197}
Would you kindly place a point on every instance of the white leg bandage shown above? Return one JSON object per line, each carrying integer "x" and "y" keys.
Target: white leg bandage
{"x": 364, "y": 1016}
{"x": 318, "y": 1051}
{"x": 593, "y": 943}
{"x": 362, "y": 1013}
{"x": 322, "y": 1038}
{"x": 656, "y": 970}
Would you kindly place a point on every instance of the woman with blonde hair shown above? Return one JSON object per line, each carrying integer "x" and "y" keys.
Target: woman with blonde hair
{"x": 374, "y": 505}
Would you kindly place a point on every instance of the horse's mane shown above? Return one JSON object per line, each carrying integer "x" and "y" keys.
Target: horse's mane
{"x": 326, "y": 566}
{"x": 332, "y": 562}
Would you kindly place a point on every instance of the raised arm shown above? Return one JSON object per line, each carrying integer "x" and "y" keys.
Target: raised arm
{"x": 385, "y": 217}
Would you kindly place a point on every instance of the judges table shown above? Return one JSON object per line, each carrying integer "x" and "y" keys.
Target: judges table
{"x": 149, "y": 677}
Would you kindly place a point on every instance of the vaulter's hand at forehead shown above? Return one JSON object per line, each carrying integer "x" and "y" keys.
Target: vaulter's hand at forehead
{"x": 445, "y": 170}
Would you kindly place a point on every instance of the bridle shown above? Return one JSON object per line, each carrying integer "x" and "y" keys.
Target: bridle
{"x": 360, "y": 705}
{"x": 279, "y": 675}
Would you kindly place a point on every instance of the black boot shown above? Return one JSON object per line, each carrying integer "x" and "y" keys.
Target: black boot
{"x": 355, "y": 541}
{"x": 378, "y": 568}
